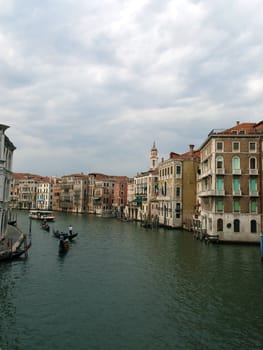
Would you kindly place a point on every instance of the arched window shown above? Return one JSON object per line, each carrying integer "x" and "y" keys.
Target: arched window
{"x": 253, "y": 226}
{"x": 236, "y": 225}
{"x": 219, "y": 225}
{"x": 164, "y": 188}
{"x": 252, "y": 163}
{"x": 219, "y": 162}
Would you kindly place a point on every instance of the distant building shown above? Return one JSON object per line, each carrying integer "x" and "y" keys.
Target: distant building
{"x": 44, "y": 194}
{"x": 120, "y": 195}
{"x": 107, "y": 194}
{"x": 230, "y": 183}
{"x": 142, "y": 200}
{"x": 73, "y": 193}
{"x": 26, "y": 191}
{"x": 56, "y": 193}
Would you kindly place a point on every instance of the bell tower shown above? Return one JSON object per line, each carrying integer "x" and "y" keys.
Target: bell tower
{"x": 153, "y": 157}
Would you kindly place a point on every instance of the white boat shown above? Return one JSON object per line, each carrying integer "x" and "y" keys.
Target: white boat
{"x": 41, "y": 215}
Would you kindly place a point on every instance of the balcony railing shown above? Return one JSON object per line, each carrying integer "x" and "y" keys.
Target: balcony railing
{"x": 163, "y": 198}
{"x": 205, "y": 173}
{"x": 253, "y": 171}
{"x": 220, "y": 171}
{"x": 237, "y": 193}
{"x": 219, "y": 192}
{"x": 212, "y": 193}
{"x": 236, "y": 171}
{"x": 253, "y": 193}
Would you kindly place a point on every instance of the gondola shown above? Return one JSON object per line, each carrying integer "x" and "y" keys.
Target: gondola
{"x": 63, "y": 242}
{"x": 57, "y": 234}
{"x": 12, "y": 222}
{"x": 45, "y": 226}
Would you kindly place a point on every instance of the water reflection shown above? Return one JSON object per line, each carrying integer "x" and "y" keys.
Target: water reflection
{"x": 7, "y": 308}
{"x": 121, "y": 286}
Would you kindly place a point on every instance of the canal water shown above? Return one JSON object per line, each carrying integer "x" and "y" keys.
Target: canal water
{"x": 121, "y": 286}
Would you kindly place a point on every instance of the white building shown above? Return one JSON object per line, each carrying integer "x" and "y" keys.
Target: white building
{"x": 6, "y": 158}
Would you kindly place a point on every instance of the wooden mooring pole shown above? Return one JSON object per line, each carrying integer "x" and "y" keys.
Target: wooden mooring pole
{"x": 261, "y": 246}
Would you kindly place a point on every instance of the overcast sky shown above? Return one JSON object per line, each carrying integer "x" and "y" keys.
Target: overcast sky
{"x": 88, "y": 86}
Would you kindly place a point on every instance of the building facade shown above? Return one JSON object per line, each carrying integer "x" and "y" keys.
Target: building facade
{"x": 73, "y": 193}
{"x": 6, "y": 158}
{"x": 143, "y": 190}
{"x": 230, "y": 183}
{"x": 177, "y": 188}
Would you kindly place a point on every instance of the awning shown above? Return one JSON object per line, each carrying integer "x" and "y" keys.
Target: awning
{"x": 139, "y": 200}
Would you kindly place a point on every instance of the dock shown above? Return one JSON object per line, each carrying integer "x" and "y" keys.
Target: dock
{"x": 13, "y": 242}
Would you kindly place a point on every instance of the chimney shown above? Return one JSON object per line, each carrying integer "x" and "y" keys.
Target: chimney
{"x": 238, "y": 122}
{"x": 191, "y": 149}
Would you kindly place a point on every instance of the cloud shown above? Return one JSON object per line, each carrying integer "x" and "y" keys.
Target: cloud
{"x": 91, "y": 84}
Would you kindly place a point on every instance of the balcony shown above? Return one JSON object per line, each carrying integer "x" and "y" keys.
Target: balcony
{"x": 210, "y": 193}
{"x": 237, "y": 193}
{"x": 253, "y": 171}
{"x": 219, "y": 192}
{"x": 220, "y": 171}
{"x": 66, "y": 186}
{"x": 205, "y": 173}
{"x": 163, "y": 198}
{"x": 253, "y": 193}
{"x": 236, "y": 171}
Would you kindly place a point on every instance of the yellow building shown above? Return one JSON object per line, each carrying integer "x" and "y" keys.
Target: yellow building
{"x": 177, "y": 188}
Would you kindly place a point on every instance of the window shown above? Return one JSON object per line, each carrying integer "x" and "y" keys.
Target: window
{"x": 236, "y": 225}
{"x": 236, "y": 184}
{"x": 253, "y": 206}
{"x": 165, "y": 211}
{"x": 253, "y": 184}
{"x": 220, "y": 184}
{"x": 178, "y": 170}
{"x": 253, "y": 226}
{"x": 219, "y": 146}
{"x": 219, "y": 162}
{"x": 252, "y": 163}
{"x": 219, "y": 225}
{"x": 236, "y": 163}
{"x": 177, "y": 210}
{"x": 236, "y": 206}
{"x": 219, "y": 206}
{"x": 178, "y": 191}
{"x": 164, "y": 189}
{"x": 235, "y": 146}
{"x": 252, "y": 147}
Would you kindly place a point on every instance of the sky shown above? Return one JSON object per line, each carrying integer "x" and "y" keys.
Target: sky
{"x": 89, "y": 86}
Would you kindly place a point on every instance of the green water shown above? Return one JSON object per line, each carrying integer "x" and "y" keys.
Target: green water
{"x": 121, "y": 286}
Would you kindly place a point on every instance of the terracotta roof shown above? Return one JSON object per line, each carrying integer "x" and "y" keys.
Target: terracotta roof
{"x": 28, "y": 176}
{"x": 187, "y": 155}
{"x": 248, "y": 128}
